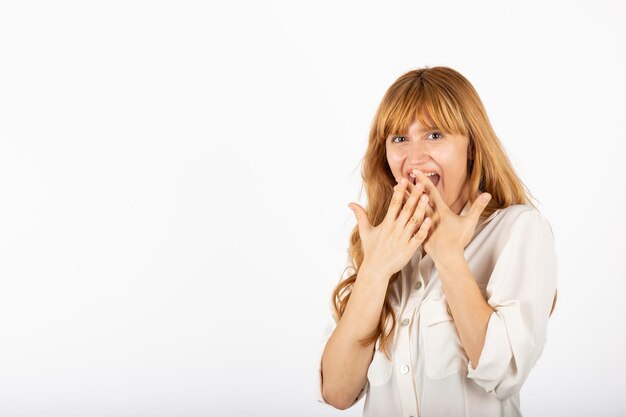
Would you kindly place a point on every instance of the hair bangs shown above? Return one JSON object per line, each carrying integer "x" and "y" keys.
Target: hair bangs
{"x": 421, "y": 102}
{"x": 443, "y": 111}
{"x": 399, "y": 112}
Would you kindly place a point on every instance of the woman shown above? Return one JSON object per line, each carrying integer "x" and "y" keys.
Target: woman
{"x": 454, "y": 268}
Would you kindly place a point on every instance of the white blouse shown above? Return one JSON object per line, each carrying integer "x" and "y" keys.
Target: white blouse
{"x": 513, "y": 260}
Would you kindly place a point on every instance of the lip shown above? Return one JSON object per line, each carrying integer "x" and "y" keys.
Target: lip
{"x": 424, "y": 170}
{"x": 414, "y": 180}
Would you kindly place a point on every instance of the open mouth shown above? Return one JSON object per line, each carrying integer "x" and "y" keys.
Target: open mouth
{"x": 433, "y": 178}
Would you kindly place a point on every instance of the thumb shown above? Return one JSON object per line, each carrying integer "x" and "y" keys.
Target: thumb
{"x": 361, "y": 216}
{"x": 479, "y": 205}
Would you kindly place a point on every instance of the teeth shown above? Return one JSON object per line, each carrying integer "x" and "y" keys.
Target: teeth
{"x": 429, "y": 174}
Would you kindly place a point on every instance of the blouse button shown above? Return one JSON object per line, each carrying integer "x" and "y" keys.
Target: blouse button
{"x": 418, "y": 285}
{"x": 405, "y": 322}
{"x": 404, "y": 369}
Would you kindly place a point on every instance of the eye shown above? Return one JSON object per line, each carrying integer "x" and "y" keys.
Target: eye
{"x": 436, "y": 133}
{"x": 393, "y": 139}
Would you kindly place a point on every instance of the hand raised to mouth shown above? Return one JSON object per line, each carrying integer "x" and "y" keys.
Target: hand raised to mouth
{"x": 390, "y": 245}
{"x": 450, "y": 233}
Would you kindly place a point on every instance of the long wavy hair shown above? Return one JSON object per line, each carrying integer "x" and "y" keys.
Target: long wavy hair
{"x": 443, "y": 97}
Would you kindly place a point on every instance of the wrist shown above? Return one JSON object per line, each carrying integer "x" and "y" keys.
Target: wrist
{"x": 449, "y": 258}
{"x": 374, "y": 271}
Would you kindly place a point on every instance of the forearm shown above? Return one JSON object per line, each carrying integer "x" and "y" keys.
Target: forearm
{"x": 468, "y": 307}
{"x": 345, "y": 361}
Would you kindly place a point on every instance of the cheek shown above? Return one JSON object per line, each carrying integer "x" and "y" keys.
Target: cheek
{"x": 395, "y": 164}
{"x": 452, "y": 164}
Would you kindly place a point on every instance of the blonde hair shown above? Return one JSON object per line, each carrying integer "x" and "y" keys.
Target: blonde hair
{"x": 441, "y": 98}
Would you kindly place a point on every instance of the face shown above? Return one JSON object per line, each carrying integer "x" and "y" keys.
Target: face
{"x": 432, "y": 151}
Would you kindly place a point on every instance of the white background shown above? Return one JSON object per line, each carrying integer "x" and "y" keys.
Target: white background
{"x": 174, "y": 181}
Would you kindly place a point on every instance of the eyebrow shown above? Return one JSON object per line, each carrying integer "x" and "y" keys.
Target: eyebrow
{"x": 424, "y": 130}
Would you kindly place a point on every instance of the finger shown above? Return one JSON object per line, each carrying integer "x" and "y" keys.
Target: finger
{"x": 409, "y": 207}
{"x": 419, "y": 237}
{"x": 409, "y": 190}
{"x": 361, "y": 217}
{"x": 417, "y": 218}
{"x": 430, "y": 189}
{"x": 396, "y": 200}
{"x": 429, "y": 209}
{"x": 478, "y": 206}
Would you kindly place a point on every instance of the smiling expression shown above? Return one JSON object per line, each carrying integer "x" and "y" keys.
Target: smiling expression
{"x": 432, "y": 150}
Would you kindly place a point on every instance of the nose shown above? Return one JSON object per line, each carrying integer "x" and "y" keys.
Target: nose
{"x": 417, "y": 152}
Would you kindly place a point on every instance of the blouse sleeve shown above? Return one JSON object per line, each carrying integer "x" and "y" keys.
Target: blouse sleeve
{"x": 520, "y": 290}
{"x": 328, "y": 331}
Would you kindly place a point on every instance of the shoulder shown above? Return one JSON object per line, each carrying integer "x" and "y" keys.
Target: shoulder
{"x": 517, "y": 213}
{"x": 522, "y": 219}
{"x": 516, "y": 210}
